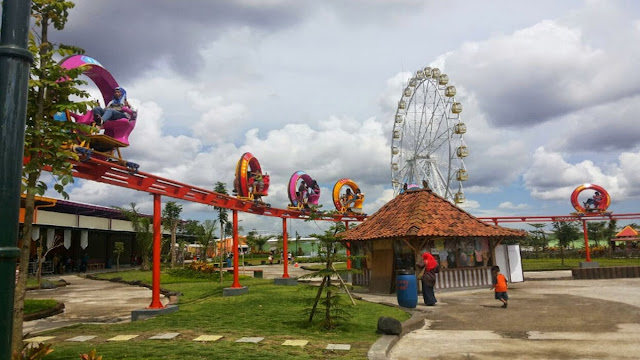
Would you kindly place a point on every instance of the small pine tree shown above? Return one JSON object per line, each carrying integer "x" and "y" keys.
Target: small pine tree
{"x": 335, "y": 311}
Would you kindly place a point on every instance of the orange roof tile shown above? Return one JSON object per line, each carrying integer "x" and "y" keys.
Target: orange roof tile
{"x": 423, "y": 213}
{"x": 628, "y": 231}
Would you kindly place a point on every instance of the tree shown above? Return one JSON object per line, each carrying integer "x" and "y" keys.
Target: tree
{"x": 223, "y": 216}
{"x": 596, "y": 231}
{"x": 228, "y": 230}
{"x": 610, "y": 233}
{"x": 256, "y": 241}
{"x": 41, "y": 257}
{"x": 537, "y": 237}
{"x": 170, "y": 221}
{"x": 118, "y": 249}
{"x": 334, "y": 312}
{"x": 45, "y": 137}
{"x": 144, "y": 236}
{"x": 565, "y": 232}
{"x": 206, "y": 237}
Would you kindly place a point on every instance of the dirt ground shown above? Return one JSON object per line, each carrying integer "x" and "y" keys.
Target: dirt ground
{"x": 564, "y": 319}
{"x": 532, "y": 312}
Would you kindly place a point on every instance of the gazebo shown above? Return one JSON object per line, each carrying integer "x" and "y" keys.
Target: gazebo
{"x": 392, "y": 239}
{"x": 628, "y": 235}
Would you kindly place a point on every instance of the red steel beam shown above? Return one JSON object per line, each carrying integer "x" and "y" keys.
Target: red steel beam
{"x": 114, "y": 174}
{"x": 558, "y": 218}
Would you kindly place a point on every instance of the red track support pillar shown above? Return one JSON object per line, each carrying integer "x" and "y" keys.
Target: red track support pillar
{"x": 285, "y": 253}
{"x": 348, "y": 245}
{"x": 586, "y": 240}
{"x": 157, "y": 234}
{"x": 236, "y": 282}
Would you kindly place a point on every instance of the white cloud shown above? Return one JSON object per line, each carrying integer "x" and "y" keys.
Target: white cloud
{"x": 552, "y": 178}
{"x": 510, "y": 206}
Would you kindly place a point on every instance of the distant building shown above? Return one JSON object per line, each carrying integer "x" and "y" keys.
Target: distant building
{"x": 81, "y": 229}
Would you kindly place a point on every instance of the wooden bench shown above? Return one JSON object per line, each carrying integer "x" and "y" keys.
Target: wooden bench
{"x": 95, "y": 266}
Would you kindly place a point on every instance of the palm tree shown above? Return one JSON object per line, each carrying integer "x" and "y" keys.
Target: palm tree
{"x": 170, "y": 220}
{"x": 223, "y": 217}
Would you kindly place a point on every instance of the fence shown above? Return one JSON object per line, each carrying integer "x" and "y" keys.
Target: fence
{"x": 47, "y": 267}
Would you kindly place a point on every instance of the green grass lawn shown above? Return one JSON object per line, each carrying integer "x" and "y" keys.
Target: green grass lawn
{"x": 32, "y": 305}
{"x": 556, "y": 264}
{"x": 276, "y": 313}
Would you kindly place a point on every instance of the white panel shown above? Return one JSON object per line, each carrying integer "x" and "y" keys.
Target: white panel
{"x": 35, "y": 233}
{"x": 502, "y": 260}
{"x": 51, "y": 233}
{"x": 67, "y": 239}
{"x": 84, "y": 239}
{"x": 515, "y": 264}
{"x": 90, "y": 222}
{"x": 121, "y": 225}
{"x": 57, "y": 219}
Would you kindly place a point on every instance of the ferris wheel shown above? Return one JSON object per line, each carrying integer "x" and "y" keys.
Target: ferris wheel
{"x": 427, "y": 141}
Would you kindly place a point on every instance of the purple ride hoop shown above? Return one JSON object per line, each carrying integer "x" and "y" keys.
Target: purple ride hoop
{"x": 293, "y": 188}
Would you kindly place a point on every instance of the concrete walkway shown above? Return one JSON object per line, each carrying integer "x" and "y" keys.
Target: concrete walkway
{"x": 559, "y": 319}
{"x": 90, "y": 301}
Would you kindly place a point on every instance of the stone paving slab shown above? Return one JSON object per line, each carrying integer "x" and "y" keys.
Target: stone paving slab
{"x": 570, "y": 335}
{"x": 122, "y": 338}
{"x": 342, "y": 347}
{"x": 208, "y": 338}
{"x": 250, "y": 339}
{"x": 165, "y": 336}
{"x": 82, "y": 338}
{"x": 634, "y": 328}
{"x": 39, "y": 339}
{"x": 301, "y": 343}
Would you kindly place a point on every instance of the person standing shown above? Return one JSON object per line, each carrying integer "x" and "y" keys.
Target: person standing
{"x": 84, "y": 262}
{"x": 431, "y": 267}
{"x": 499, "y": 286}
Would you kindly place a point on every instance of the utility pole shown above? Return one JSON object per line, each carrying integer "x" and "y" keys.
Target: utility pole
{"x": 15, "y": 60}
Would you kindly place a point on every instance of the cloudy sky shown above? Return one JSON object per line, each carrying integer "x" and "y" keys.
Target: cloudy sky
{"x": 550, "y": 91}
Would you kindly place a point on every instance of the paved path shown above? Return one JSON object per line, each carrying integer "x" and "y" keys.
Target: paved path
{"x": 561, "y": 319}
{"x": 90, "y": 301}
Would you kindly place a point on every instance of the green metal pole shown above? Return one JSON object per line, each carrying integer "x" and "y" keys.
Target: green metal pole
{"x": 15, "y": 60}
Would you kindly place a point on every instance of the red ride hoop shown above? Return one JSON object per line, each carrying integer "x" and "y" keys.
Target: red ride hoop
{"x": 602, "y": 207}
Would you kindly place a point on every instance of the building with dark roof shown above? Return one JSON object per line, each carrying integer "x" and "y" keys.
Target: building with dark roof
{"x": 80, "y": 231}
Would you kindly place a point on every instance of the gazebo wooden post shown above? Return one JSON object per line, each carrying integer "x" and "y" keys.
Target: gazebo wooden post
{"x": 492, "y": 251}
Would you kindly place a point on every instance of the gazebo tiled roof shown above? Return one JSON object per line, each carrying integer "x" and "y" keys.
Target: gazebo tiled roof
{"x": 422, "y": 213}
{"x": 627, "y": 234}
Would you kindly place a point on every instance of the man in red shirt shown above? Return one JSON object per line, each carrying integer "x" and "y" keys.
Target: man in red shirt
{"x": 499, "y": 285}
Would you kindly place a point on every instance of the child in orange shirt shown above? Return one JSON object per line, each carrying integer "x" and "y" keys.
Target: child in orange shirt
{"x": 500, "y": 286}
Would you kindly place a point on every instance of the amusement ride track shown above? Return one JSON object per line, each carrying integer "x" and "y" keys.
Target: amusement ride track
{"x": 114, "y": 174}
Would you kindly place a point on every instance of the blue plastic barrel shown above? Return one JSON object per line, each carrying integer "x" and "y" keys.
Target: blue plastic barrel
{"x": 406, "y": 288}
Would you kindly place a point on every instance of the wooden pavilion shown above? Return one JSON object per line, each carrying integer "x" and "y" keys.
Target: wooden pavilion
{"x": 627, "y": 235}
{"x": 419, "y": 220}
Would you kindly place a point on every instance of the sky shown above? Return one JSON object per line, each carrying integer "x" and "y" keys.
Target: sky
{"x": 550, "y": 91}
